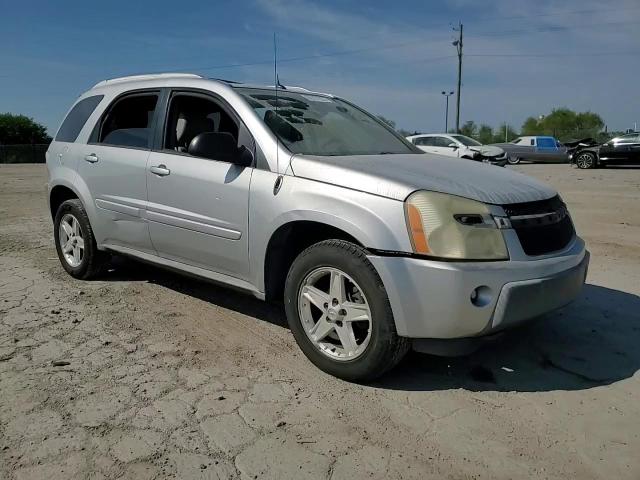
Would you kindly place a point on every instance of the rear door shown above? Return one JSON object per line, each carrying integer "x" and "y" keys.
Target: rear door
{"x": 425, "y": 144}
{"x": 547, "y": 150}
{"x": 113, "y": 165}
{"x": 441, "y": 146}
{"x": 198, "y": 207}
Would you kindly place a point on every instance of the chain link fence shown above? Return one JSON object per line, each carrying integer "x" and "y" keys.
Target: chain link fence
{"x": 28, "y": 153}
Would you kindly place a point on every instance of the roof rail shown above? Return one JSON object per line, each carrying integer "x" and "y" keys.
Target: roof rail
{"x": 151, "y": 76}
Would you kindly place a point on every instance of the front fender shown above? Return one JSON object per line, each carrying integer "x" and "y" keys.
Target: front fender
{"x": 374, "y": 221}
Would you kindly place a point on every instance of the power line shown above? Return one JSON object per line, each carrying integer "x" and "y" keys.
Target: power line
{"x": 553, "y": 28}
{"x": 544, "y": 55}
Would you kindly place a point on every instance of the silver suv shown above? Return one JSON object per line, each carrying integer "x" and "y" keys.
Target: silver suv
{"x": 372, "y": 245}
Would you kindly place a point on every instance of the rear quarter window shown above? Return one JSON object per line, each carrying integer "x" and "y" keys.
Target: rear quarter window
{"x": 77, "y": 117}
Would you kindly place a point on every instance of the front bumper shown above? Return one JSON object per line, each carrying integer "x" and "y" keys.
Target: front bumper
{"x": 432, "y": 299}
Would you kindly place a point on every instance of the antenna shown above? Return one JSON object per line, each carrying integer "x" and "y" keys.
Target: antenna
{"x": 276, "y": 81}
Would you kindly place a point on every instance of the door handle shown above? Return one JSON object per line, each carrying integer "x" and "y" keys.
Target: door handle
{"x": 91, "y": 158}
{"x": 160, "y": 170}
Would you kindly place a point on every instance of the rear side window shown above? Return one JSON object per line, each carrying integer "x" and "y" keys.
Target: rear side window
{"x": 128, "y": 121}
{"x": 76, "y": 118}
{"x": 546, "y": 143}
{"x": 424, "y": 141}
{"x": 442, "y": 141}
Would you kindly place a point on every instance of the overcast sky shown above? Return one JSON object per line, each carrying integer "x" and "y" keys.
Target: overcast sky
{"x": 523, "y": 57}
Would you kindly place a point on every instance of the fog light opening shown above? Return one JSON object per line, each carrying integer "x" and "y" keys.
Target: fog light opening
{"x": 481, "y": 296}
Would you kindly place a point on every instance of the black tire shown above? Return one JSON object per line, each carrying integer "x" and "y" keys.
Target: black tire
{"x": 385, "y": 348}
{"x": 513, "y": 160}
{"x": 586, "y": 160}
{"x": 93, "y": 260}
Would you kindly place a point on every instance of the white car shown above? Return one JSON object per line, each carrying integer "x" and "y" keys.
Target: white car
{"x": 461, "y": 146}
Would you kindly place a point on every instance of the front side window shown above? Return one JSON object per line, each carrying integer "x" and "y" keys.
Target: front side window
{"x": 632, "y": 138}
{"x": 195, "y": 118}
{"x": 442, "y": 141}
{"x": 466, "y": 141}
{"x": 128, "y": 121}
{"x": 77, "y": 117}
{"x": 313, "y": 124}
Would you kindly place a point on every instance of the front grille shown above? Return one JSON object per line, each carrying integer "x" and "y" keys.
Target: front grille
{"x": 543, "y": 226}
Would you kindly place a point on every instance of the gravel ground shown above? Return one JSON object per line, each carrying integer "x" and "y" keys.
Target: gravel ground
{"x": 146, "y": 374}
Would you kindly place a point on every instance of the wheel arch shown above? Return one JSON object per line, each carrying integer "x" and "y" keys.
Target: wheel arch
{"x": 287, "y": 242}
{"x": 63, "y": 190}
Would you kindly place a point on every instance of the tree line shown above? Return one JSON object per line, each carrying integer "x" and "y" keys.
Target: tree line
{"x": 562, "y": 123}
{"x": 21, "y": 130}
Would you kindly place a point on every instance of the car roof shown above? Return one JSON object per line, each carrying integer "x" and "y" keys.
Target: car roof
{"x": 171, "y": 79}
{"x": 429, "y": 135}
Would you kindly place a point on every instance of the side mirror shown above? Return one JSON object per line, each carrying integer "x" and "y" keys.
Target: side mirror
{"x": 453, "y": 145}
{"x": 220, "y": 146}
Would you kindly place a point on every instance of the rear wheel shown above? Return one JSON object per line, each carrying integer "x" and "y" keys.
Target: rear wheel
{"x": 339, "y": 312}
{"x": 586, "y": 160}
{"x": 513, "y": 160}
{"x": 75, "y": 243}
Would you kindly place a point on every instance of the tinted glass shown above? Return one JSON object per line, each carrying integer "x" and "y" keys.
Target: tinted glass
{"x": 128, "y": 122}
{"x": 76, "y": 118}
{"x": 318, "y": 125}
{"x": 632, "y": 138}
{"x": 442, "y": 141}
{"x": 467, "y": 141}
{"x": 544, "y": 142}
{"x": 424, "y": 141}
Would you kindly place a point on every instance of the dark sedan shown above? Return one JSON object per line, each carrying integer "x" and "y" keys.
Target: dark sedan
{"x": 623, "y": 150}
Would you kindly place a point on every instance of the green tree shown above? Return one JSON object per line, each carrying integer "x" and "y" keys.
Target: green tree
{"x": 504, "y": 132}
{"x": 531, "y": 126}
{"x": 19, "y": 129}
{"x": 565, "y": 124}
{"x": 485, "y": 134}
{"x": 470, "y": 129}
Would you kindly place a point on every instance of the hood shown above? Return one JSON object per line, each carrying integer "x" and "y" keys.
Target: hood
{"x": 397, "y": 176}
{"x": 488, "y": 150}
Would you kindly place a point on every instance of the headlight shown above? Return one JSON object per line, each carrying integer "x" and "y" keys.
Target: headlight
{"x": 451, "y": 227}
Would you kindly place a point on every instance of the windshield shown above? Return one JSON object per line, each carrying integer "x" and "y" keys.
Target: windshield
{"x": 317, "y": 125}
{"x": 466, "y": 141}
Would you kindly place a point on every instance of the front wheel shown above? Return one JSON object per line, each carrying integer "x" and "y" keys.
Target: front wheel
{"x": 513, "y": 160}
{"x": 339, "y": 312}
{"x": 586, "y": 160}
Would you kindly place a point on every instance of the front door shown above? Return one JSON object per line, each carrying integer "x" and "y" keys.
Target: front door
{"x": 624, "y": 150}
{"x": 113, "y": 166}
{"x": 198, "y": 207}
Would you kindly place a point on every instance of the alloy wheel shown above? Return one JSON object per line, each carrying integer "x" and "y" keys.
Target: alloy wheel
{"x": 335, "y": 313}
{"x": 71, "y": 240}
{"x": 584, "y": 160}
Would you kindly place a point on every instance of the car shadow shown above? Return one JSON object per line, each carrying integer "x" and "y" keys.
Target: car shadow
{"x": 593, "y": 341}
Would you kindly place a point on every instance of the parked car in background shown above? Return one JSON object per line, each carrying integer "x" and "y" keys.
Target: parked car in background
{"x": 304, "y": 199}
{"x": 534, "y": 149}
{"x": 461, "y": 146}
{"x": 622, "y": 150}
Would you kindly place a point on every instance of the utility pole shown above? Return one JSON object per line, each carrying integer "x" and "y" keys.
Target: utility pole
{"x": 458, "y": 45}
{"x": 446, "y": 114}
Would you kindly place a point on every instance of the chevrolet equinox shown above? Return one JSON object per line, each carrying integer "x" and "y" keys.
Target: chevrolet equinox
{"x": 304, "y": 198}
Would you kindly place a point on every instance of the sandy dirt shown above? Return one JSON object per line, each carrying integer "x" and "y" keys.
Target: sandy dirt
{"x": 146, "y": 374}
